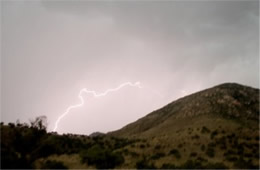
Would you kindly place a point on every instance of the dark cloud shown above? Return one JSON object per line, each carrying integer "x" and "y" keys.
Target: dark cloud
{"x": 52, "y": 49}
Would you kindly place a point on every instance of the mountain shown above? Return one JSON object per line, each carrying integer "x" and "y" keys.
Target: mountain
{"x": 214, "y": 128}
{"x": 217, "y": 128}
{"x": 226, "y": 102}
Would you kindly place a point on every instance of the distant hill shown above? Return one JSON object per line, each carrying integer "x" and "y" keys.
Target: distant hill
{"x": 96, "y": 134}
{"x": 216, "y": 128}
{"x": 225, "y": 102}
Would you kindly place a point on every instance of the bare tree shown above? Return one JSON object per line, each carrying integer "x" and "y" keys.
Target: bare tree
{"x": 40, "y": 123}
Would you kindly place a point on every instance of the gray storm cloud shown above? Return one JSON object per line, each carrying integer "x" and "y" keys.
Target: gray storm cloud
{"x": 50, "y": 50}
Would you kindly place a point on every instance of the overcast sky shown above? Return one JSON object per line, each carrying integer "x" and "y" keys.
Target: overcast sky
{"x": 50, "y": 50}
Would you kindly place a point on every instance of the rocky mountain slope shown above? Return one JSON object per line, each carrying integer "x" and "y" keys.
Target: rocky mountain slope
{"x": 229, "y": 101}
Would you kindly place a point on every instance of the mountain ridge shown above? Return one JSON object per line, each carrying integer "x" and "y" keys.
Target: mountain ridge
{"x": 227, "y": 100}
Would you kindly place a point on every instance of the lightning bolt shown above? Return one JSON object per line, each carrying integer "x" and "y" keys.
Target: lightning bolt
{"x": 95, "y": 94}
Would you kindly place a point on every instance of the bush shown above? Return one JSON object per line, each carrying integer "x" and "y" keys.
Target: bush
{"x": 43, "y": 151}
{"x": 229, "y": 152}
{"x": 231, "y": 158}
{"x": 133, "y": 154}
{"x": 205, "y": 130}
{"x": 11, "y": 125}
{"x": 10, "y": 160}
{"x": 168, "y": 166}
{"x": 176, "y": 153}
{"x": 157, "y": 156}
{"x": 202, "y": 147}
{"x": 193, "y": 154}
{"x": 210, "y": 152}
{"x": 243, "y": 164}
{"x": 217, "y": 165}
{"x": 211, "y": 145}
{"x": 213, "y": 134}
{"x": 200, "y": 159}
{"x": 142, "y": 146}
{"x": 157, "y": 147}
{"x": 101, "y": 157}
{"x": 180, "y": 146}
{"x": 195, "y": 137}
{"x": 190, "y": 164}
{"x": 144, "y": 164}
{"x": 53, "y": 165}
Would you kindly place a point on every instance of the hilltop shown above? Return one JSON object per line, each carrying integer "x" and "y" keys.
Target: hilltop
{"x": 229, "y": 101}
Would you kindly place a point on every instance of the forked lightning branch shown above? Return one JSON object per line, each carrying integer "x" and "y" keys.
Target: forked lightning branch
{"x": 94, "y": 94}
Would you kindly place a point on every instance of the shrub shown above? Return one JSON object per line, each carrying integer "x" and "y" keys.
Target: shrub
{"x": 101, "y": 158}
{"x": 144, "y": 164}
{"x": 176, "y": 153}
{"x": 157, "y": 147}
{"x": 231, "y": 158}
{"x": 43, "y": 151}
{"x": 168, "y": 166}
{"x": 142, "y": 146}
{"x": 11, "y": 125}
{"x": 223, "y": 147}
{"x": 180, "y": 146}
{"x": 190, "y": 164}
{"x": 222, "y": 143}
{"x": 213, "y": 134}
{"x": 201, "y": 159}
{"x": 133, "y": 154}
{"x": 248, "y": 138}
{"x": 205, "y": 130}
{"x": 53, "y": 165}
{"x": 249, "y": 155}
{"x": 195, "y": 137}
{"x": 10, "y": 160}
{"x": 125, "y": 151}
{"x": 211, "y": 145}
{"x": 217, "y": 165}
{"x": 210, "y": 152}
{"x": 243, "y": 164}
{"x": 229, "y": 152}
{"x": 193, "y": 154}
{"x": 157, "y": 156}
{"x": 240, "y": 149}
{"x": 202, "y": 147}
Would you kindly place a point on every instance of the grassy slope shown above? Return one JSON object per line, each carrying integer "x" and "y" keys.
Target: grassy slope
{"x": 231, "y": 109}
{"x": 232, "y": 140}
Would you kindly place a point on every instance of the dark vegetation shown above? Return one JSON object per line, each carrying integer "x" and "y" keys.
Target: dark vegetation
{"x": 22, "y": 145}
{"x": 53, "y": 165}
{"x": 101, "y": 157}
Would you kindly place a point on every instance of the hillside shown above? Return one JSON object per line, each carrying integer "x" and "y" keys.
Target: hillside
{"x": 227, "y": 101}
{"x": 217, "y": 125}
{"x": 216, "y": 128}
